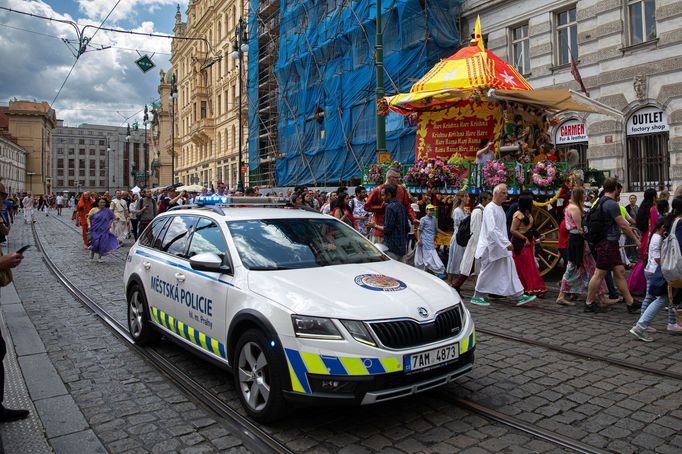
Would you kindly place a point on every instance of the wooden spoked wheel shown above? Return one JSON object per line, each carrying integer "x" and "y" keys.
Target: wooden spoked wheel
{"x": 547, "y": 253}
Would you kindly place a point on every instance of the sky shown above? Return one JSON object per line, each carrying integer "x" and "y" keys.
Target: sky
{"x": 105, "y": 86}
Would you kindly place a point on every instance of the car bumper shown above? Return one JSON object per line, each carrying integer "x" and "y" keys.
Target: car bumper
{"x": 365, "y": 390}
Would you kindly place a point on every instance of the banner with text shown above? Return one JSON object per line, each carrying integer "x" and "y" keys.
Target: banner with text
{"x": 455, "y": 134}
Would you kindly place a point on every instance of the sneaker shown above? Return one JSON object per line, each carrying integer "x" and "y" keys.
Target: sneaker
{"x": 640, "y": 334}
{"x": 595, "y": 307}
{"x": 479, "y": 301}
{"x": 634, "y": 307}
{"x": 525, "y": 299}
{"x": 674, "y": 328}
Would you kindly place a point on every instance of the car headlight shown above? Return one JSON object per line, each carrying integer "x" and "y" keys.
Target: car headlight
{"x": 359, "y": 332}
{"x": 315, "y": 328}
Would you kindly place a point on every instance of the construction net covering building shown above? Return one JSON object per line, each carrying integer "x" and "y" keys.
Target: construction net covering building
{"x": 312, "y": 107}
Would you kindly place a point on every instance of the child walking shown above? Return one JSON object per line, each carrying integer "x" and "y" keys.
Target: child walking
{"x": 426, "y": 255}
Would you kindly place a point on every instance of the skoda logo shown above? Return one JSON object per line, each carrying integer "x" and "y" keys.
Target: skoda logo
{"x": 423, "y": 312}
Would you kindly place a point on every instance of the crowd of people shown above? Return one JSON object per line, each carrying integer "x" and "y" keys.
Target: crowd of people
{"x": 491, "y": 239}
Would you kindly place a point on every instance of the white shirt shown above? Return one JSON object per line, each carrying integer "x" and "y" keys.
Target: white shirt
{"x": 60, "y": 200}
{"x": 654, "y": 253}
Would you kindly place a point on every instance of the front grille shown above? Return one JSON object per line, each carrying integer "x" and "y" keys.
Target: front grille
{"x": 408, "y": 333}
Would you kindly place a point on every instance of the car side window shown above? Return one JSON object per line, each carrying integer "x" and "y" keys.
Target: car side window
{"x": 207, "y": 238}
{"x": 176, "y": 238}
{"x": 147, "y": 238}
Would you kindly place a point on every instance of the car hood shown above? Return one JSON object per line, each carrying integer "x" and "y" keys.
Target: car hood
{"x": 368, "y": 291}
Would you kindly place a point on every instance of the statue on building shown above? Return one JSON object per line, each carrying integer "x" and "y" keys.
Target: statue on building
{"x": 640, "y": 87}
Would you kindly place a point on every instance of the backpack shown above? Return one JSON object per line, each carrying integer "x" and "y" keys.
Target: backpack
{"x": 464, "y": 231}
{"x": 671, "y": 258}
{"x": 595, "y": 225}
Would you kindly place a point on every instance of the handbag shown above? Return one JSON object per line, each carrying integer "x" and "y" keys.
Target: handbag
{"x": 5, "y": 275}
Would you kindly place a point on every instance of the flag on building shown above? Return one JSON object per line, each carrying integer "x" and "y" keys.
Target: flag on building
{"x": 576, "y": 75}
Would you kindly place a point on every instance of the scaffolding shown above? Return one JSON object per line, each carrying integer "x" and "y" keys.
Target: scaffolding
{"x": 312, "y": 109}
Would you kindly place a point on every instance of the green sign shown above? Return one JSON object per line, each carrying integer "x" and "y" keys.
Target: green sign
{"x": 144, "y": 63}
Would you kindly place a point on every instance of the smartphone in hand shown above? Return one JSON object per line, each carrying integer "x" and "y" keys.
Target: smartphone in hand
{"x": 23, "y": 248}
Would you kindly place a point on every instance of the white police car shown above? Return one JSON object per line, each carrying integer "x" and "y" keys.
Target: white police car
{"x": 297, "y": 304}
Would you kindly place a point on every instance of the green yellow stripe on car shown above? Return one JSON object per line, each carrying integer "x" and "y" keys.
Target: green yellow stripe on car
{"x": 189, "y": 333}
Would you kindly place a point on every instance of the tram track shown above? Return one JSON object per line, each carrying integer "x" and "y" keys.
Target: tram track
{"x": 256, "y": 438}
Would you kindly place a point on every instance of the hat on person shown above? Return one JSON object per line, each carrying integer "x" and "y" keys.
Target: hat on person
{"x": 415, "y": 207}
{"x": 430, "y": 207}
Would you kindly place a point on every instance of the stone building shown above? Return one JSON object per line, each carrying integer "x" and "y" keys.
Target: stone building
{"x": 164, "y": 125}
{"x": 629, "y": 54}
{"x": 99, "y": 158}
{"x": 206, "y": 117}
{"x": 12, "y": 165}
{"x": 31, "y": 124}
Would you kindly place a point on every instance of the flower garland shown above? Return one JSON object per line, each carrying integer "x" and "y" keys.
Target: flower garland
{"x": 544, "y": 174}
{"x": 494, "y": 173}
{"x": 436, "y": 174}
{"x": 550, "y": 201}
{"x": 375, "y": 174}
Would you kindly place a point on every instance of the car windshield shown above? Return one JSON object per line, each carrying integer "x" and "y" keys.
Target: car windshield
{"x": 277, "y": 244}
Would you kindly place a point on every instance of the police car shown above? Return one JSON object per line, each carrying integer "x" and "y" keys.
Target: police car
{"x": 298, "y": 305}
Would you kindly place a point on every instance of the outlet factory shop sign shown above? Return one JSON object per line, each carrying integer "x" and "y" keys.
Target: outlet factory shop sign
{"x": 648, "y": 120}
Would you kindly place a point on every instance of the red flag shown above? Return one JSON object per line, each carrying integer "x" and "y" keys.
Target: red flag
{"x": 576, "y": 75}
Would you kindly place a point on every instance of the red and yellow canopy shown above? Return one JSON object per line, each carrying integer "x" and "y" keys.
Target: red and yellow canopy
{"x": 476, "y": 72}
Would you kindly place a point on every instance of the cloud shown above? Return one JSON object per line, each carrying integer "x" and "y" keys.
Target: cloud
{"x": 105, "y": 85}
{"x": 124, "y": 11}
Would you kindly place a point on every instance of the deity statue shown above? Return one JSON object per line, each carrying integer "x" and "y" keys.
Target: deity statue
{"x": 640, "y": 87}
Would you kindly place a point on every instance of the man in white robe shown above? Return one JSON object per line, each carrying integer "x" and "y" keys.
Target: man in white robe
{"x": 498, "y": 272}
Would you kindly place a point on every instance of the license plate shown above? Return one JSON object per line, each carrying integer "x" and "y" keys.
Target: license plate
{"x": 430, "y": 358}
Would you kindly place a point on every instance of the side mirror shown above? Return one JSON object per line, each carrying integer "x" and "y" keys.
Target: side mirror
{"x": 208, "y": 261}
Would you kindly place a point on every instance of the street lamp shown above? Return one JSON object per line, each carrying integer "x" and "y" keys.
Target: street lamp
{"x": 238, "y": 50}
{"x": 145, "y": 119}
{"x": 173, "y": 95}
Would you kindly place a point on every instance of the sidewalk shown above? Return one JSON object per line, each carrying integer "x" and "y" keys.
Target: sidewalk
{"x": 55, "y": 423}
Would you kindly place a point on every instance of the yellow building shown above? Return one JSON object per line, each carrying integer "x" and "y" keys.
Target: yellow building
{"x": 207, "y": 103}
{"x": 32, "y": 123}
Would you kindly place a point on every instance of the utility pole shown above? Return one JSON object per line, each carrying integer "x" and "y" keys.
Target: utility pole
{"x": 379, "y": 92}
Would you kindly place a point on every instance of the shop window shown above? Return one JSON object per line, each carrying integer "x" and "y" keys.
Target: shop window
{"x": 641, "y": 21}
{"x": 566, "y": 36}
{"x": 648, "y": 162}
{"x": 520, "y": 49}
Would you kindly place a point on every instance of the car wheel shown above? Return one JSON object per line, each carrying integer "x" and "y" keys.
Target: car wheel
{"x": 139, "y": 324}
{"x": 258, "y": 377}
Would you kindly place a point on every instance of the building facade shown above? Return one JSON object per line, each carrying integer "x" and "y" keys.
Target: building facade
{"x": 12, "y": 165}
{"x": 164, "y": 124}
{"x": 99, "y": 158}
{"x": 629, "y": 55}
{"x": 31, "y": 124}
{"x": 207, "y": 104}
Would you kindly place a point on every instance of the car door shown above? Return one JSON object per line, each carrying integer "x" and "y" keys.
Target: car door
{"x": 170, "y": 283}
{"x": 149, "y": 261}
{"x": 207, "y": 293}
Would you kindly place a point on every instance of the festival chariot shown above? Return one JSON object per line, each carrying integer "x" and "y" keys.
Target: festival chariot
{"x": 474, "y": 97}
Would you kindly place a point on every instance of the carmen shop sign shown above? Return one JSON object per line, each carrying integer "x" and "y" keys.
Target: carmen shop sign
{"x": 570, "y": 131}
{"x": 648, "y": 120}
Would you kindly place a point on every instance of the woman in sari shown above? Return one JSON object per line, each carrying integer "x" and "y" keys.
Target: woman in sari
{"x": 102, "y": 241}
{"x": 524, "y": 235}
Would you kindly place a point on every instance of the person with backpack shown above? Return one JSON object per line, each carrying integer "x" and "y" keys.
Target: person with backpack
{"x": 603, "y": 225}
{"x": 456, "y": 251}
{"x": 673, "y": 226}
{"x": 467, "y": 235}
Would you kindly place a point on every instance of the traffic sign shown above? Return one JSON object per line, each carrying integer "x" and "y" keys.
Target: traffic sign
{"x": 145, "y": 63}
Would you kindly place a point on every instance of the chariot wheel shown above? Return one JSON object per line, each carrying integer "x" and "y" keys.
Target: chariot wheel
{"x": 547, "y": 252}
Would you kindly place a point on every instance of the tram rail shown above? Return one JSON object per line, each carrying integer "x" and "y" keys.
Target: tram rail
{"x": 260, "y": 440}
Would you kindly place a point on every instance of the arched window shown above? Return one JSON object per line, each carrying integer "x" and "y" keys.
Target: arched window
{"x": 648, "y": 160}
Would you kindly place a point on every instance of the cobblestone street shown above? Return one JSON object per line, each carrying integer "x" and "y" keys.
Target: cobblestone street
{"x": 576, "y": 375}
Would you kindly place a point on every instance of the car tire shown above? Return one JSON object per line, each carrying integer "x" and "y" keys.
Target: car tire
{"x": 139, "y": 324}
{"x": 258, "y": 377}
